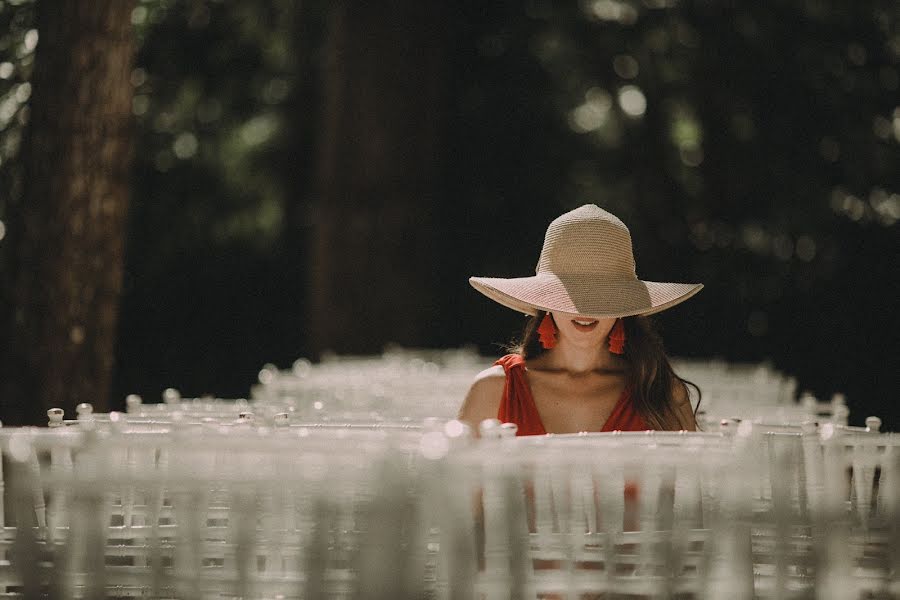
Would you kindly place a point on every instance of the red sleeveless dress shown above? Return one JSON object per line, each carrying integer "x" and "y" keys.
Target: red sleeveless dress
{"x": 517, "y": 405}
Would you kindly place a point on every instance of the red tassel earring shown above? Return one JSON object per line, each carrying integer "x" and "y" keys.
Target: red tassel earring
{"x": 617, "y": 338}
{"x": 547, "y": 332}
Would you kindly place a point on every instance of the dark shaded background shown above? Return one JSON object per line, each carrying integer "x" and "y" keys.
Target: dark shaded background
{"x": 749, "y": 146}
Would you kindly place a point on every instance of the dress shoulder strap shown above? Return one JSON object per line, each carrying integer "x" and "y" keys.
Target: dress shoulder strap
{"x": 511, "y": 361}
{"x": 517, "y": 405}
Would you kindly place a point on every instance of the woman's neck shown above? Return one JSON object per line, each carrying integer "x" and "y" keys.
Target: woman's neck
{"x": 577, "y": 360}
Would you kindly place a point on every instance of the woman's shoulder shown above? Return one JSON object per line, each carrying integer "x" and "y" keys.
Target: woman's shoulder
{"x": 489, "y": 380}
{"x": 681, "y": 406}
{"x": 484, "y": 395}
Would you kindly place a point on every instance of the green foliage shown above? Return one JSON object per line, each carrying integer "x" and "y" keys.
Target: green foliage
{"x": 217, "y": 87}
{"x": 18, "y": 40}
{"x": 211, "y": 83}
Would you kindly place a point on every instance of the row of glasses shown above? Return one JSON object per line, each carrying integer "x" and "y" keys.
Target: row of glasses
{"x": 755, "y": 391}
{"x": 748, "y": 515}
{"x": 410, "y": 385}
{"x": 595, "y": 514}
{"x": 198, "y": 511}
{"x": 422, "y": 383}
{"x": 413, "y": 383}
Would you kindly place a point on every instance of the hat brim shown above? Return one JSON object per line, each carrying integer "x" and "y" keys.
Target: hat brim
{"x": 585, "y": 295}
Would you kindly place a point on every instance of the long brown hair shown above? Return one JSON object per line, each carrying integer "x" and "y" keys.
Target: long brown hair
{"x": 649, "y": 373}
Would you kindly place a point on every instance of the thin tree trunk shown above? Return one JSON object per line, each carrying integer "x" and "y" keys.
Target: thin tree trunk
{"x": 69, "y": 233}
{"x": 372, "y": 259}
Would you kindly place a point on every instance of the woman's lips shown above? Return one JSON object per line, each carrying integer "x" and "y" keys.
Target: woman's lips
{"x": 585, "y": 325}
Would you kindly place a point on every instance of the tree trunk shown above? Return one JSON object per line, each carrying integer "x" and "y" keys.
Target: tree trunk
{"x": 372, "y": 258}
{"x": 69, "y": 230}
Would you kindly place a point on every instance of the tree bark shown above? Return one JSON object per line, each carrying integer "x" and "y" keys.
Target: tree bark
{"x": 69, "y": 229}
{"x": 372, "y": 257}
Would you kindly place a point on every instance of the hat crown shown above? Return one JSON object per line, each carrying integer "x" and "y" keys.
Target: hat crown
{"x": 588, "y": 241}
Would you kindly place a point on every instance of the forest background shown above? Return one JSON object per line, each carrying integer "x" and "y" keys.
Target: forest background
{"x": 192, "y": 188}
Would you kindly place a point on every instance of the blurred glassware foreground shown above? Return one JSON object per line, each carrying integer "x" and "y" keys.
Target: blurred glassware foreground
{"x": 365, "y": 497}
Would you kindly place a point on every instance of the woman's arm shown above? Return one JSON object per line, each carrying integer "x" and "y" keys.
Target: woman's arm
{"x": 681, "y": 404}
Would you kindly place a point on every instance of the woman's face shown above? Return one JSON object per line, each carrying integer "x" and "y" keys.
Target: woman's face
{"x": 587, "y": 332}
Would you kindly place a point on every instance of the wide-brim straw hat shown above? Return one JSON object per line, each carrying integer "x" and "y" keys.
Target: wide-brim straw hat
{"x": 586, "y": 268}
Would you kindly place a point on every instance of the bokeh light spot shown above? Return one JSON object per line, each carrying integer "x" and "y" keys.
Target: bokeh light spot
{"x": 632, "y": 101}
{"x": 140, "y": 104}
{"x": 806, "y": 248}
{"x": 594, "y": 113}
{"x": 755, "y": 238}
{"x": 301, "y": 367}
{"x": 885, "y": 206}
{"x": 138, "y": 77}
{"x": 8, "y": 110}
{"x": 185, "y": 145}
{"x": 599, "y": 97}
{"x": 434, "y": 445}
{"x": 702, "y": 236}
{"x": 783, "y": 247}
{"x": 139, "y": 15}
{"x": 626, "y": 66}
{"x": 622, "y": 12}
{"x": 882, "y": 128}
{"x": 897, "y": 124}
{"x": 259, "y": 129}
{"x": 31, "y": 40}
{"x": 686, "y": 133}
{"x": 164, "y": 122}
{"x": 587, "y": 118}
{"x": 6, "y": 70}
{"x": 454, "y": 428}
{"x": 276, "y": 91}
{"x": 691, "y": 156}
{"x": 23, "y": 93}
{"x": 857, "y": 54}
{"x": 850, "y": 206}
{"x": 267, "y": 374}
{"x": 76, "y": 334}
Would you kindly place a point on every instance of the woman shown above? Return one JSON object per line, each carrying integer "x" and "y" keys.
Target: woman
{"x": 589, "y": 359}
